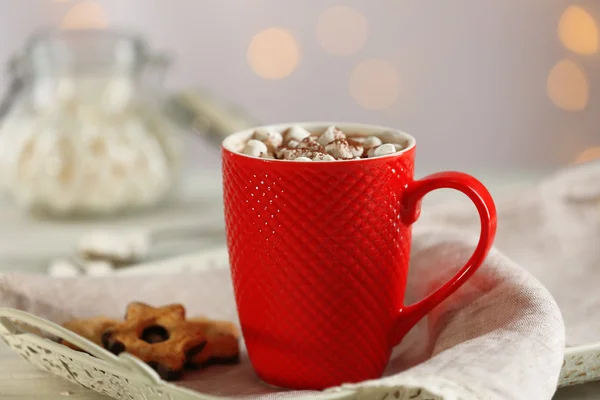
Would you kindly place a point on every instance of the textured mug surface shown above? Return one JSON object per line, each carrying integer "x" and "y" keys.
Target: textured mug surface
{"x": 319, "y": 257}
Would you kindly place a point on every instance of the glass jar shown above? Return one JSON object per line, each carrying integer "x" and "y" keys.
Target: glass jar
{"x": 85, "y": 130}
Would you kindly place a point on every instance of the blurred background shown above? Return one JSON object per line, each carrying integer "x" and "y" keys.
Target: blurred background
{"x": 481, "y": 84}
{"x": 119, "y": 105}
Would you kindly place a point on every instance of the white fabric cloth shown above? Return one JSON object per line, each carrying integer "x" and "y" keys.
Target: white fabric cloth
{"x": 501, "y": 336}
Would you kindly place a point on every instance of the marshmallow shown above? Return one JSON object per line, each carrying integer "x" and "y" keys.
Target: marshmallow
{"x": 296, "y": 133}
{"x": 68, "y": 155}
{"x": 322, "y": 157}
{"x": 255, "y": 148}
{"x": 118, "y": 94}
{"x": 332, "y": 133}
{"x": 97, "y": 243}
{"x": 63, "y": 269}
{"x": 66, "y": 90}
{"x": 297, "y": 143}
{"x": 340, "y": 149}
{"x": 272, "y": 139}
{"x": 292, "y": 154}
{"x": 261, "y": 134}
{"x": 356, "y": 149}
{"x": 371, "y": 141}
{"x": 99, "y": 268}
{"x": 383, "y": 150}
{"x": 119, "y": 248}
{"x": 44, "y": 94}
{"x": 311, "y": 143}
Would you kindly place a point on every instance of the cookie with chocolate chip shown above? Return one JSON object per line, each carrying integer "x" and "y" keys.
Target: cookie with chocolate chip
{"x": 161, "y": 337}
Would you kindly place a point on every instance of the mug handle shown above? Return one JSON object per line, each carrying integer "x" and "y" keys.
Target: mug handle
{"x": 414, "y": 192}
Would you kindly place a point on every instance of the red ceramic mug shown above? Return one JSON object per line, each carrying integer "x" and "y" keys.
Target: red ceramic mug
{"x": 319, "y": 257}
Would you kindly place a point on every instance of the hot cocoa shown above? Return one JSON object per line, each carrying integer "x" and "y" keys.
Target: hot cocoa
{"x": 298, "y": 144}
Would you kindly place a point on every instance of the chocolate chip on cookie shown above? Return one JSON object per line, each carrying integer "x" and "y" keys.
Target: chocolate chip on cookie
{"x": 90, "y": 328}
{"x": 222, "y": 343}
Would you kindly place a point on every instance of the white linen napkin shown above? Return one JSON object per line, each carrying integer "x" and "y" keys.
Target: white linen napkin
{"x": 501, "y": 336}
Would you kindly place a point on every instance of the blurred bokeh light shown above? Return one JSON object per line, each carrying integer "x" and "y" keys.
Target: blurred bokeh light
{"x": 273, "y": 53}
{"x": 342, "y": 31}
{"x": 374, "y": 84}
{"x": 591, "y": 154}
{"x": 578, "y": 31}
{"x": 568, "y": 86}
{"x": 85, "y": 15}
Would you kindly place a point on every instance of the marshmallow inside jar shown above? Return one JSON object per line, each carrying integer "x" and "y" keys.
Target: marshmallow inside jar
{"x": 319, "y": 142}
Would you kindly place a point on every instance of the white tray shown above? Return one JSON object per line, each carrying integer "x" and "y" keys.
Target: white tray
{"x": 125, "y": 377}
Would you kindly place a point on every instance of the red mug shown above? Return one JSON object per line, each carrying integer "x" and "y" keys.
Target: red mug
{"x": 319, "y": 256}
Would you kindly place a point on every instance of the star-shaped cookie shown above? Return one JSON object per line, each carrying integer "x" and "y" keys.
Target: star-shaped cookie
{"x": 161, "y": 337}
